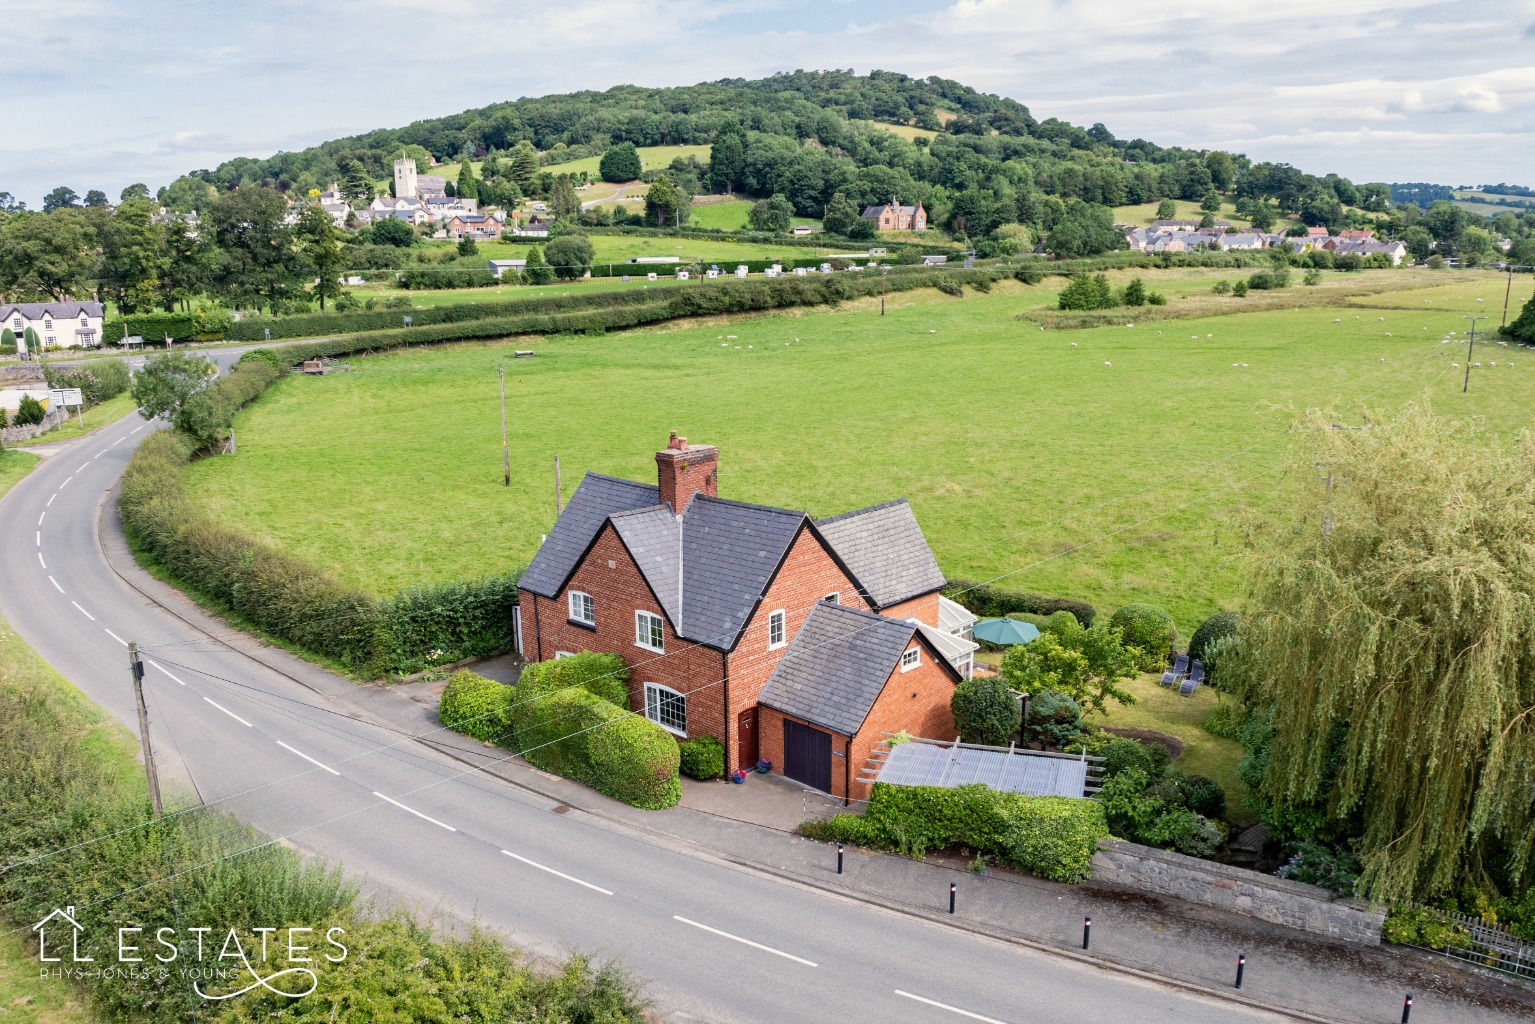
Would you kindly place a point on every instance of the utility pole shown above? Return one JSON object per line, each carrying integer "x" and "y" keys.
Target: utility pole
{"x": 1467, "y": 385}
{"x": 136, "y": 668}
{"x": 884, "y": 272}
{"x": 506, "y": 454}
{"x": 557, "y": 487}
{"x": 1508, "y": 290}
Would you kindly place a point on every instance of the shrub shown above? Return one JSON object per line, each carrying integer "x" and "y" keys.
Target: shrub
{"x": 1029, "y": 275}
{"x": 1156, "y": 299}
{"x": 1126, "y": 805}
{"x": 1314, "y": 863}
{"x": 1313, "y": 277}
{"x": 29, "y": 412}
{"x": 1180, "y": 829}
{"x": 1221, "y": 624}
{"x": 1054, "y": 719}
{"x": 576, "y": 734}
{"x": 949, "y": 286}
{"x": 476, "y": 706}
{"x": 1225, "y": 720}
{"x": 98, "y": 380}
{"x": 1239, "y": 289}
{"x": 1062, "y": 621}
{"x": 152, "y": 327}
{"x": 1123, "y": 755}
{"x": 207, "y": 415}
{"x": 1135, "y": 293}
{"x": 437, "y": 624}
{"x": 985, "y": 710}
{"x": 702, "y": 758}
{"x": 992, "y": 602}
{"x": 1269, "y": 280}
{"x": 1221, "y": 288}
{"x": 601, "y": 675}
{"x": 1420, "y": 926}
{"x": 1086, "y": 292}
{"x": 1198, "y": 793}
{"x": 1052, "y": 836}
{"x": 1148, "y": 628}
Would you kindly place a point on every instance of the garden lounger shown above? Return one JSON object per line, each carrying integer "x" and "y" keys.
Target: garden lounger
{"x": 1188, "y": 686}
{"x": 1172, "y": 676}
{"x": 1198, "y": 673}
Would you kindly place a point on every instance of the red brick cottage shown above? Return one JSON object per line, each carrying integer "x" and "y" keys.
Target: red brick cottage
{"x": 790, "y": 639}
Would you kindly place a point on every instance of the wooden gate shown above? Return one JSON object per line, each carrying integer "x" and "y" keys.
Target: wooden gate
{"x": 807, "y": 755}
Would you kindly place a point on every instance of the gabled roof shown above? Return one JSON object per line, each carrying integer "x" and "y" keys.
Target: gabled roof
{"x": 62, "y": 310}
{"x": 836, "y": 666}
{"x": 597, "y": 498}
{"x": 650, "y": 534}
{"x": 885, "y": 550}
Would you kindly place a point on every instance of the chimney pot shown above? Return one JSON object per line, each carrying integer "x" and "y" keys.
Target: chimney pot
{"x": 683, "y": 471}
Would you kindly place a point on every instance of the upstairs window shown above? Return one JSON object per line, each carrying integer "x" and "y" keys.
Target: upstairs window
{"x": 833, "y": 598}
{"x": 582, "y": 609}
{"x": 649, "y": 632}
{"x": 911, "y": 658}
{"x": 777, "y": 629}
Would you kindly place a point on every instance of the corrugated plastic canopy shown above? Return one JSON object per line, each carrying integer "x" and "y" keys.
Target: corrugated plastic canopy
{"x": 915, "y": 763}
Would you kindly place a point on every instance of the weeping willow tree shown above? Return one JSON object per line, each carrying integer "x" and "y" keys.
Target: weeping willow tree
{"x": 1391, "y": 633}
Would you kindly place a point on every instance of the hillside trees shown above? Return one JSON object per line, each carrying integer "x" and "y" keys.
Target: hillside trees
{"x": 320, "y": 242}
{"x": 840, "y": 215}
{"x": 620, "y": 163}
{"x": 1386, "y": 646}
{"x": 727, "y": 158}
{"x": 257, "y": 259}
{"x": 665, "y": 204}
{"x": 132, "y": 253}
{"x": 772, "y": 214}
{"x": 45, "y": 256}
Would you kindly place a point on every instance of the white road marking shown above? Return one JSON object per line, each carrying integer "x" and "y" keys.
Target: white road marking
{"x": 87, "y": 614}
{"x": 39, "y": 538}
{"x": 114, "y": 636}
{"x": 64, "y": 484}
{"x": 423, "y": 817}
{"x": 135, "y": 430}
{"x": 55, "y": 494}
{"x": 561, "y": 874}
{"x": 748, "y": 942}
{"x": 42, "y": 517}
{"x": 162, "y": 668}
{"x": 306, "y": 757}
{"x": 946, "y": 1006}
{"x": 117, "y": 442}
{"x": 55, "y": 584}
{"x": 41, "y": 562}
{"x": 98, "y": 455}
{"x": 83, "y": 468}
{"x": 231, "y": 714}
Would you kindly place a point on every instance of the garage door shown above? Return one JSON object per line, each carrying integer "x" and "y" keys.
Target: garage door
{"x": 807, "y": 755}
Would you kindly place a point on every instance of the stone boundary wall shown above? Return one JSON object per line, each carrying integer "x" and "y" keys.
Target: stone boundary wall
{"x": 1308, "y": 908}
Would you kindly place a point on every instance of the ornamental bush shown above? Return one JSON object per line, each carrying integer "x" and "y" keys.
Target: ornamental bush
{"x": 1221, "y": 624}
{"x": 476, "y": 706}
{"x": 602, "y": 675}
{"x": 1054, "y": 719}
{"x": 1149, "y": 628}
{"x": 1052, "y": 836}
{"x": 985, "y": 710}
{"x": 29, "y": 413}
{"x": 576, "y": 734}
{"x": 992, "y": 602}
{"x": 1121, "y": 755}
{"x": 702, "y": 758}
{"x": 98, "y": 380}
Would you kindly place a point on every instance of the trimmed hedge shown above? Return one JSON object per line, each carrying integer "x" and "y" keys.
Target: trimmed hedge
{"x": 152, "y": 327}
{"x": 994, "y": 603}
{"x": 1219, "y": 626}
{"x": 579, "y": 735}
{"x": 476, "y": 706}
{"x": 1052, "y": 836}
{"x": 437, "y": 624}
{"x": 1149, "y": 628}
{"x": 207, "y": 415}
{"x": 601, "y": 675}
{"x": 702, "y": 758}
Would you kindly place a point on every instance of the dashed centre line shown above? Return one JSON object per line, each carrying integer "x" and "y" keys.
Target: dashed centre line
{"x": 560, "y": 874}
{"x": 231, "y": 714}
{"x": 114, "y": 636}
{"x": 306, "y": 757}
{"x": 946, "y": 1006}
{"x": 55, "y": 584}
{"x": 87, "y": 614}
{"x": 55, "y": 494}
{"x": 83, "y": 468}
{"x": 42, "y": 517}
{"x": 136, "y": 429}
{"x": 41, "y": 562}
{"x": 754, "y": 945}
{"x": 162, "y": 668}
{"x": 64, "y": 484}
{"x": 412, "y": 810}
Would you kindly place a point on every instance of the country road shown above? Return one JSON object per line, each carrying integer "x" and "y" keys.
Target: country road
{"x": 713, "y": 941}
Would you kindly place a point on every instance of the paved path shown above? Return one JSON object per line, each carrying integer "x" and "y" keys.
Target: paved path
{"x": 726, "y": 921}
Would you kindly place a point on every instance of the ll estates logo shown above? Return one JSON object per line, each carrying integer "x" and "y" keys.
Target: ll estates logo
{"x": 281, "y": 954}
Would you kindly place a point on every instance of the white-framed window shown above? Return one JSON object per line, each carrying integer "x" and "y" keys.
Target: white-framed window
{"x": 582, "y": 609}
{"x": 47, "y": 324}
{"x": 649, "y": 632}
{"x": 49, "y": 341}
{"x": 562, "y": 654}
{"x": 667, "y": 708}
{"x": 833, "y": 598}
{"x": 16, "y": 323}
{"x": 911, "y": 658}
{"x": 778, "y": 629}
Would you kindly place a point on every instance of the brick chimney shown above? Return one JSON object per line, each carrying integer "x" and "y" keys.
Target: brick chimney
{"x": 684, "y": 470}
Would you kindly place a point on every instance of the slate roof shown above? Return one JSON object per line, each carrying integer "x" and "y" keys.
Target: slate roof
{"x": 836, "y": 666}
{"x": 61, "y": 310}
{"x": 885, "y": 550}
{"x": 650, "y": 534}
{"x": 597, "y": 498}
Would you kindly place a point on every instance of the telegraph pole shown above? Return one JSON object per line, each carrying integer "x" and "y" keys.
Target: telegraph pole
{"x": 136, "y": 668}
{"x": 556, "y": 487}
{"x": 884, "y": 271}
{"x": 1508, "y": 290}
{"x": 506, "y": 454}
{"x": 1467, "y": 385}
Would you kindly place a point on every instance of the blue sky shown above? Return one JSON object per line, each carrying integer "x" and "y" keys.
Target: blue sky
{"x": 102, "y": 93}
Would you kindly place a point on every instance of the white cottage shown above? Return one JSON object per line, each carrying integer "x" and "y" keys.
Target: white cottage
{"x": 54, "y": 324}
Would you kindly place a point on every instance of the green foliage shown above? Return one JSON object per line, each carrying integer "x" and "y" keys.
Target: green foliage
{"x": 391, "y": 232}
{"x": 994, "y": 603}
{"x": 476, "y": 706}
{"x": 1335, "y": 870}
{"x": 702, "y": 757}
{"x": 1239, "y": 289}
{"x": 1126, "y": 755}
{"x": 537, "y": 270}
{"x": 165, "y": 382}
{"x": 1523, "y": 327}
{"x": 1214, "y": 627}
{"x": 620, "y": 162}
{"x": 29, "y": 413}
{"x": 438, "y": 624}
{"x": 570, "y": 256}
{"x": 1087, "y": 292}
{"x": 1421, "y": 926}
{"x": 1084, "y": 664}
{"x": 1391, "y": 653}
{"x": 985, "y": 710}
{"x": 1312, "y": 278}
{"x": 98, "y": 380}
{"x": 574, "y": 733}
{"x": 1135, "y": 293}
{"x": 152, "y": 327}
{"x": 772, "y": 214}
{"x": 467, "y": 246}
{"x": 1052, "y": 836}
{"x": 1221, "y": 288}
{"x": 1225, "y": 720}
{"x": 602, "y": 675}
{"x": 1167, "y": 210}
{"x": 1054, "y": 719}
{"x": 1150, "y": 630}
{"x": 1198, "y": 793}
{"x": 207, "y": 414}
{"x": 1266, "y": 280}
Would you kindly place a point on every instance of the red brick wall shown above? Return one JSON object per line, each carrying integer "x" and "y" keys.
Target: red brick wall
{"x": 770, "y": 728}
{"x": 923, "y": 609}
{"x": 915, "y": 701}
{"x": 683, "y": 472}
{"x": 617, "y": 593}
{"x": 808, "y": 574}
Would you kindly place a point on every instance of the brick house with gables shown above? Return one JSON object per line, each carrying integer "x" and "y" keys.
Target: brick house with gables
{"x": 791, "y": 639}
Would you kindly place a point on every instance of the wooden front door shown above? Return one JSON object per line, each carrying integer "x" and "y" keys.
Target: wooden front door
{"x": 746, "y": 738}
{"x": 807, "y": 755}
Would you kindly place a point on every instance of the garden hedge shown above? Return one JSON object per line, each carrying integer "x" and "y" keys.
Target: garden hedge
{"x": 702, "y": 758}
{"x": 439, "y": 623}
{"x": 574, "y": 733}
{"x": 992, "y": 602}
{"x": 476, "y": 706}
{"x": 152, "y": 327}
{"x": 1052, "y": 836}
{"x": 1149, "y": 629}
{"x": 601, "y": 675}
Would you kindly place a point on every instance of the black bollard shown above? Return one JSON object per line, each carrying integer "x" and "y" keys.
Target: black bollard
{"x": 1241, "y": 965}
{"x": 952, "y": 888}
{"x": 1406, "y": 1008}
{"x": 839, "y": 858}
{"x": 1087, "y": 930}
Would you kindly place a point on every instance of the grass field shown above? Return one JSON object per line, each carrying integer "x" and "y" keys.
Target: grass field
{"x": 1145, "y": 213}
{"x": 731, "y": 215}
{"x": 618, "y": 248}
{"x": 26, "y": 998}
{"x": 111, "y": 410}
{"x": 1022, "y": 452}
{"x": 509, "y": 292}
{"x": 905, "y": 131}
{"x": 13, "y": 466}
{"x": 651, "y": 158}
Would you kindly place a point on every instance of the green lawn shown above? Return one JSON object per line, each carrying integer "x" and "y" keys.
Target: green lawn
{"x": 905, "y": 131}
{"x": 618, "y": 248}
{"x": 1021, "y": 451}
{"x": 731, "y": 215}
{"x": 110, "y": 411}
{"x": 651, "y": 158}
{"x": 13, "y": 466}
{"x": 1145, "y": 213}
{"x": 26, "y": 998}
{"x": 509, "y": 292}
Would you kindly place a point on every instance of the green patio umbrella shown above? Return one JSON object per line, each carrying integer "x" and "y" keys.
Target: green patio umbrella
{"x": 1005, "y": 631}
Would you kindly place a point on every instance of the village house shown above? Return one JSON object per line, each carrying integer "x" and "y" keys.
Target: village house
{"x": 477, "y": 226}
{"x": 794, "y": 640}
{"x": 1366, "y": 247}
{"x": 54, "y": 324}
{"x": 1186, "y": 225}
{"x": 895, "y": 217}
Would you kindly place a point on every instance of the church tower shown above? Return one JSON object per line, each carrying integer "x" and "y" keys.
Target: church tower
{"x": 405, "y": 178}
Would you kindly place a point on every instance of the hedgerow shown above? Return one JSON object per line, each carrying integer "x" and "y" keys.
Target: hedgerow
{"x": 574, "y": 733}
{"x": 994, "y": 602}
{"x": 476, "y": 706}
{"x": 440, "y": 623}
{"x": 601, "y": 675}
{"x": 1052, "y": 836}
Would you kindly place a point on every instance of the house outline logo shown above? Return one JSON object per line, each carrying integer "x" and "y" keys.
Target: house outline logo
{"x": 68, "y": 914}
